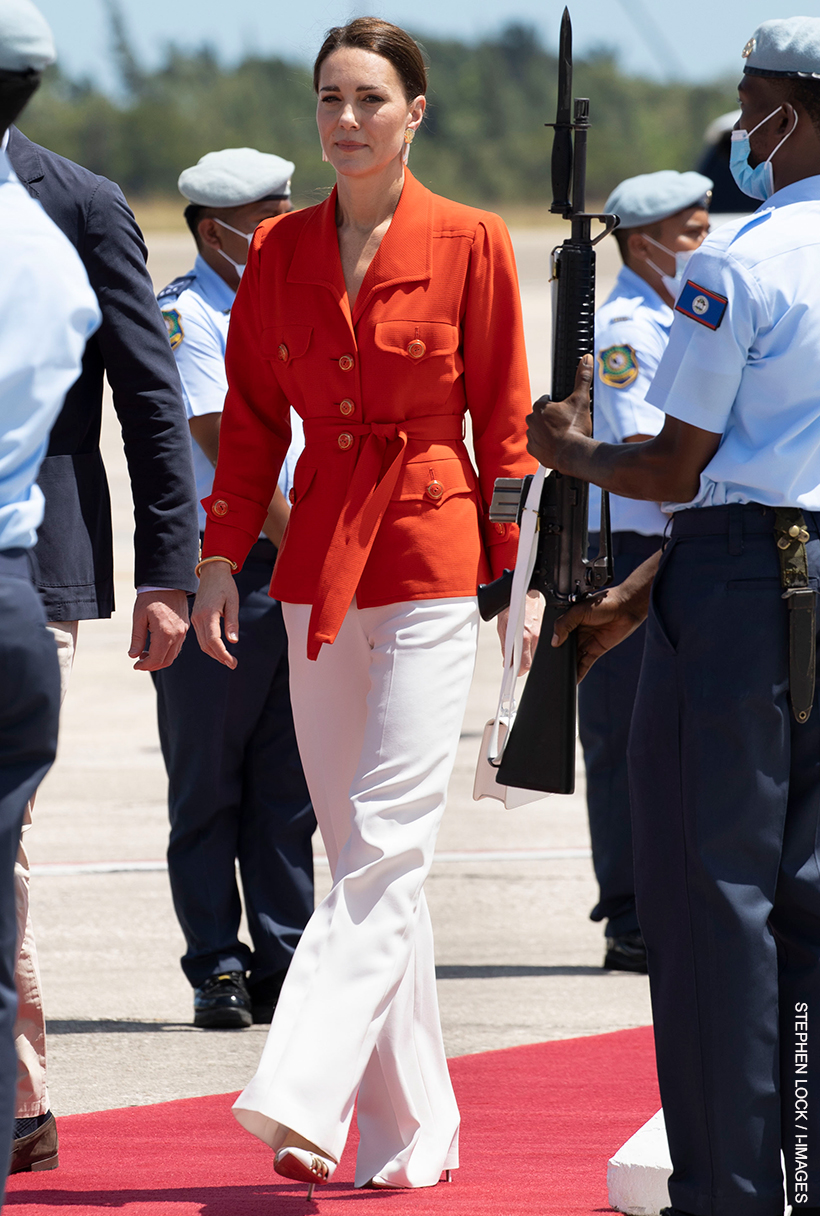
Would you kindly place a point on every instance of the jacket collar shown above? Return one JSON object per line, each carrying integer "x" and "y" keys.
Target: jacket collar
{"x": 25, "y": 157}
{"x": 404, "y": 256}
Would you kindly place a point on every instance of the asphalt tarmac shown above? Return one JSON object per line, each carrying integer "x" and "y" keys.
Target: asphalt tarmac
{"x": 510, "y": 891}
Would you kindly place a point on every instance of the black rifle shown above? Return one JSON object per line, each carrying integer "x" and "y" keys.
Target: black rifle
{"x": 540, "y": 751}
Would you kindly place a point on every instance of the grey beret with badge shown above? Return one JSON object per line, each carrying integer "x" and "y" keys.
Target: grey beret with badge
{"x": 651, "y": 197}
{"x": 788, "y": 46}
{"x": 26, "y": 43}
{"x": 234, "y": 177}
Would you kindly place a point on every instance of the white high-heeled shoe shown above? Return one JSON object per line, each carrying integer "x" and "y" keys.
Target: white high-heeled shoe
{"x": 303, "y": 1165}
{"x": 377, "y": 1183}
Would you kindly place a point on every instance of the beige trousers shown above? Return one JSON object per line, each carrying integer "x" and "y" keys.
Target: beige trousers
{"x": 30, "y": 1028}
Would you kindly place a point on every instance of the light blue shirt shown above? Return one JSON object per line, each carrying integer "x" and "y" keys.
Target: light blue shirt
{"x": 755, "y": 379}
{"x": 631, "y": 333}
{"x": 48, "y": 311}
{"x": 197, "y": 311}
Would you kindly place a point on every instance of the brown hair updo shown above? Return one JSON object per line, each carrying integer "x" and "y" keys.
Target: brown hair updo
{"x": 382, "y": 38}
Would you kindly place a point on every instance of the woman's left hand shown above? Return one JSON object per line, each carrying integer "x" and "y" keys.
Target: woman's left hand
{"x": 533, "y": 612}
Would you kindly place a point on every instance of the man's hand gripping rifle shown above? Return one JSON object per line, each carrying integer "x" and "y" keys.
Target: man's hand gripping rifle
{"x": 540, "y": 750}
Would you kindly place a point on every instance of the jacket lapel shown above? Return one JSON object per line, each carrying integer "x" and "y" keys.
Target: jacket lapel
{"x": 405, "y": 254}
{"x": 316, "y": 257}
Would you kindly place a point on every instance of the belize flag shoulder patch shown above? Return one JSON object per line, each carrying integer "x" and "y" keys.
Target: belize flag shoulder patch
{"x": 702, "y": 305}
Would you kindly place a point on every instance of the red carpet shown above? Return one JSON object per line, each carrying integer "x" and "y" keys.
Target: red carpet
{"x": 538, "y": 1125}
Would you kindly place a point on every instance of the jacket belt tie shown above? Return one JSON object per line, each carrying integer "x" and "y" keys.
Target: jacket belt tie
{"x": 375, "y": 476}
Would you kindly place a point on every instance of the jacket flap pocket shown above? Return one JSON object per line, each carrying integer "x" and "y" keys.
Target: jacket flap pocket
{"x": 285, "y": 342}
{"x": 303, "y": 476}
{"x": 434, "y": 481}
{"x": 417, "y": 340}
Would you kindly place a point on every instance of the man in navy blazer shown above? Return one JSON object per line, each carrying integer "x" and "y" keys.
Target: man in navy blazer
{"x": 74, "y": 549}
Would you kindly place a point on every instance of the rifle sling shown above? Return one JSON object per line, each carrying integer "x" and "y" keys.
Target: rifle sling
{"x": 791, "y": 535}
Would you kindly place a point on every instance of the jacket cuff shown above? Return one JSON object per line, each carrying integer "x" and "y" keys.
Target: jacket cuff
{"x": 233, "y": 525}
{"x": 501, "y": 541}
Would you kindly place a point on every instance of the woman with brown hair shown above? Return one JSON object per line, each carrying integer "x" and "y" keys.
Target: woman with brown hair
{"x": 381, "y": 315}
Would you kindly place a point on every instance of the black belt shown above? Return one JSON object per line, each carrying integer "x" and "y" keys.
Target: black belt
{"x": 791, "y": 534}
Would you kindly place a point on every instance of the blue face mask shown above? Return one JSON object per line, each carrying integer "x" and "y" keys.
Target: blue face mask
{"x": 757, "y": 182}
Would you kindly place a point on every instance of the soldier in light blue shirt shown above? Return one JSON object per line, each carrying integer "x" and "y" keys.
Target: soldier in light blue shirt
{"x": 236, "y": 791}
{"x": 724, "y": 755}
{"x": 663, "y": 221}
{"x": 197, "y": 312}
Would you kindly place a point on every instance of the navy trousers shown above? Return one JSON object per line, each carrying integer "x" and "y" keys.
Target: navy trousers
{"x": 606, "y": 698}
{"x": 726, "y": 815}
{"x": 29, "y": 716}
{"x": 236, "y": 792}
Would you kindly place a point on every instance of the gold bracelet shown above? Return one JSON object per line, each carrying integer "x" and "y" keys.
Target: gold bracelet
{"x": 205, "y": 561}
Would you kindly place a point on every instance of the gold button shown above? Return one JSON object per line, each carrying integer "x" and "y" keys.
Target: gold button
{"x": 283, "y": 352}
{"x": 346, "y": 407}
{"x": 220, "y": 507}
{"x": 345, "y": 441}
{"x": 499, "y": 528}
{"x": 291, "y": 495}
{"x": 346, "y": 362}
{"x": 435, "y": 490}
{"x": 416, "y": 348}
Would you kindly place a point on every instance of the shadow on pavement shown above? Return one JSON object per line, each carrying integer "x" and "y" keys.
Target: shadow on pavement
{"x": 111, "y": 1026}
{"x": 459, "y": 971}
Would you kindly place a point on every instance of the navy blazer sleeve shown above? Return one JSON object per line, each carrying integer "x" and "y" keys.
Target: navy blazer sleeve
{"x": 142, "y": 372}
{"x": 74, "y": 546}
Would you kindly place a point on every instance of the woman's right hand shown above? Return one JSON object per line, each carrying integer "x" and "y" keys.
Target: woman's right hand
{"x": 216, "y": 600}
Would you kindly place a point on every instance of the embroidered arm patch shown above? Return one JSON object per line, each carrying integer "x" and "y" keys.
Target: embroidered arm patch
{"x": 704, "y": 306}
{"x": 618, "y": 366}
{"x": 173, "y": 323}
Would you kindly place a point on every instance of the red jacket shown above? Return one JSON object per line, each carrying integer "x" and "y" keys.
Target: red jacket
{"x": 386, "y": 503}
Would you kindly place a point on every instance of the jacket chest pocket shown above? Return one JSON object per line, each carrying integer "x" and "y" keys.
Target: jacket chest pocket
{"x": 417, "y": 341}
{"x": 282, "y": 344}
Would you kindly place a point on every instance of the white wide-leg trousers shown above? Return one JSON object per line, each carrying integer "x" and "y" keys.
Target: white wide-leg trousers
{"x": 378, "y": 718}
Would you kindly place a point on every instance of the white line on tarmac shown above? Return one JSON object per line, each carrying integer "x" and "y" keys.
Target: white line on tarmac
{"x": 60, "y": 869}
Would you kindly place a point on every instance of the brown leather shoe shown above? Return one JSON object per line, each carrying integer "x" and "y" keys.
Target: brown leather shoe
{"x": 36, "y": 1151}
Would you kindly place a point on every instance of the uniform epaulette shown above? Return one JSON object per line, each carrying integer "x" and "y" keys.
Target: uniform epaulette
{"x": 176, "y": 288}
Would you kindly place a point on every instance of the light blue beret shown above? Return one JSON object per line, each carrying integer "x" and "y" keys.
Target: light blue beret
{"x": 653, "y": 196}
{"x": 789, "y": 46}
{"x": 236, "y": 176}
{"x": 26, "y": 43}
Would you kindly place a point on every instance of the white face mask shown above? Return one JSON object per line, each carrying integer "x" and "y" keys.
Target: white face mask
{"x": 672, "y": 283}
{"x": 239, "y": 267}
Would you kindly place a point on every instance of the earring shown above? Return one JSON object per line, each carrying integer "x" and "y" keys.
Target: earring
{"x": 325, "y": 157}
{"x": 409, "y": 136}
